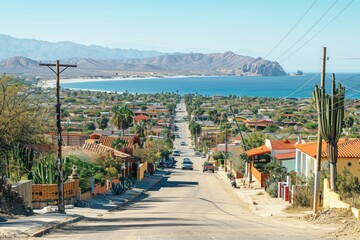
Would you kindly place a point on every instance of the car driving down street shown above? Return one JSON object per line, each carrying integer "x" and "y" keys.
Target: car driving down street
{"x": 187, "y": 164}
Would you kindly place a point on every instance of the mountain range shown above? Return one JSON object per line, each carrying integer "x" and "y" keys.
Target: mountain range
{"x": 24, "y": 55}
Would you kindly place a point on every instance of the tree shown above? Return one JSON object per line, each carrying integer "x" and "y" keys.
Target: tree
{"x": 22, "y": 121}
{"x": 141, "y": 130}
{"x": 118, "y": 143}
{"x": 271, "y": 128}
{"x": 254, "y": 140}
{"x": 349, "y": 121}
{"x": 123, "y": 118}
{"x": 102, "y": 122}
{"x": 195, "y": 129}
{"x": 90, "y": 126}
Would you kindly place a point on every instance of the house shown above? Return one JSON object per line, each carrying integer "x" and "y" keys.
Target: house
{"x": 141, "y": 117}
{"x": 258, "y": 158}
{"x": 69, "y": 139}
{"x": 283, "y": 151}
{"x": 348, "y": 157}
{"x": 260, "y": 124}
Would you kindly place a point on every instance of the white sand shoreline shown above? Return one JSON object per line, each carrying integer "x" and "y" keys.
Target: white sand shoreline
{"x": 52, "y": 82}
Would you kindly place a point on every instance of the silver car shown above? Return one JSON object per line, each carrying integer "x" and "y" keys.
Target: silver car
{"x": 187, "y": 164}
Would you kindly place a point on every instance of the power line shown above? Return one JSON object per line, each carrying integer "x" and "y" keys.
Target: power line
{"x": 318, "y": 32}
{"x": 287, "y": 34}
{"x": 297, "y": 90}
{"x": 326, "y": 12}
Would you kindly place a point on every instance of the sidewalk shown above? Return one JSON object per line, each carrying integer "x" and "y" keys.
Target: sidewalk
{"x": 259, "y": 201}
{"x": 42, "y": 222}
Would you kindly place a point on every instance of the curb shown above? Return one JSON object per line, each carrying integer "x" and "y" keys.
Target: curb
{"x": 47, "y": 229}
{"x": 136, "y": 195}
{"x": 246, "y": 199}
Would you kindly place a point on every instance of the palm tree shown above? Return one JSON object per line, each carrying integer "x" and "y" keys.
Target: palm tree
{"x": 123, "y": 118}
{"x": 141, "y": 130}
{"x": 195, "y": 130}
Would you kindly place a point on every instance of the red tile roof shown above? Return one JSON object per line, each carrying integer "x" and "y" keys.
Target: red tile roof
{"x": 130, "y": 140}
{"x": 140, "y": 117}
{"x": 347, "y": 148}
{"x": 284, "y": 156}
{"x": 258, "y": 151}
{"x": 282, "y": 144}
{"x": 99, "y": 148}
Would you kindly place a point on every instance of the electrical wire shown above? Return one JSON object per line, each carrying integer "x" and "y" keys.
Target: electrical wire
{"x": 288, "y": 33}
{"x": 297, "y": 90}
{"x": 322, "y": 16}
{"x": 317, "y": 32}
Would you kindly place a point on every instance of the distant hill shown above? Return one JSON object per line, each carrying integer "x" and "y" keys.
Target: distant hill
{"x": 23, "y": 56}
{"x": 192, "y": 63}
{"x": 43, "y": 50}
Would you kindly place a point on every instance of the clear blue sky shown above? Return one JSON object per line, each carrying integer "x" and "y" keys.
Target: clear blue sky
{"x": 251, "y": 27}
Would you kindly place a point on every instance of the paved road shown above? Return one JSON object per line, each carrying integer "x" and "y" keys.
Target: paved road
{"x": 187, "y": 205}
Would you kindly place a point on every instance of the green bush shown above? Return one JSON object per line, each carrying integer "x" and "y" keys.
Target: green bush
{"x": 303, "y": 197}
{"x": 349, "y": 187}
{"x": 272, "y": 189}
{"x": 229, "y": 175}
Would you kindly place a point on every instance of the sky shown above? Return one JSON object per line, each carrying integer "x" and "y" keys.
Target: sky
{"x": 246, "y": 27}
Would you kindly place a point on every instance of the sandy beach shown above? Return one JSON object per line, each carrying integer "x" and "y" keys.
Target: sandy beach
{"x": 52, "y": 82}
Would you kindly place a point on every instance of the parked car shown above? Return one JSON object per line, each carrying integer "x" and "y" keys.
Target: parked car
{"x": 207, "y": 166}
{"x": 187, "y": 164}
{"x": 197, "y": 153}
{"x": 168, "y": 163}
{"x": 176, "y": 153}
{"x": 183, "y": 143}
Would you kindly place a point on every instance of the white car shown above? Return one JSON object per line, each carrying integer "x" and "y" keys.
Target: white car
{"x": 187, "y": 164}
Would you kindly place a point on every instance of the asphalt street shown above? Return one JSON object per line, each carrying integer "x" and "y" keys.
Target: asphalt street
{"x": 187, "y": 204}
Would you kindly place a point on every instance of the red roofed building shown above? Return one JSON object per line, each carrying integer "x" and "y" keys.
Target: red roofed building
{"x": 260, "y": 124}
{"x": 141, "y": 117}
{"x": 348, "y": 157}
{"x": 283, "y": 151}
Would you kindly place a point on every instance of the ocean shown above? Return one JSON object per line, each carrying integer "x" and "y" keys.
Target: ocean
{"x": 282, "y": 86}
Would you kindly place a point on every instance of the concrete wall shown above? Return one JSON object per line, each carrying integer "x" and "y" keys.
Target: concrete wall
{"x": 24, "y": 189}
{"x": 143, "y": 167}
{"x": 332, "y": 200}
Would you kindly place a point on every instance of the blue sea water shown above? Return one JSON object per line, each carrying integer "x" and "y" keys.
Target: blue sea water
{"x": 283, "y": 86}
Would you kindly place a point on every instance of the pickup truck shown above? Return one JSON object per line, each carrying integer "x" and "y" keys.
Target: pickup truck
{"x": 208, "y": 167}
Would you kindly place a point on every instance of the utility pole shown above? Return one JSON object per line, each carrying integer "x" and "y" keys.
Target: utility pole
{"x": 60, "y": 179}
{"x": 245, "y": 147}
{"x": 319, "y": 143}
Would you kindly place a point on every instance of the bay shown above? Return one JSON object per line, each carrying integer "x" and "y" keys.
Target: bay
{"x": 282, "y": 86}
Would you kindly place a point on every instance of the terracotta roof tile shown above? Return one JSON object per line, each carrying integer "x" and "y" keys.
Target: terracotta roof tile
{"x": 99, "y": 148}
{"x": 140, "y": 117}
{"x": 282, "y": 144}
{"x": 258, "y": 151}
{"x": 347, "y": 148}
{"x": 283, "y": 156}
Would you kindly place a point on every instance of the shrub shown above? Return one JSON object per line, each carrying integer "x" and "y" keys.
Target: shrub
{"x": 272, "y": 189}
{"x": 349, "y": 187}
{"x": 229, "y": 175}
{"x": 302, "y": 197}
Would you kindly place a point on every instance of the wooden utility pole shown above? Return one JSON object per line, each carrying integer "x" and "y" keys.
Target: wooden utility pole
{"x": 319, "y": 143}
{"x": 60, "y": 179}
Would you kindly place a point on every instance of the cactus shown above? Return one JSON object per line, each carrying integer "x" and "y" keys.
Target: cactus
{"x": 117, "y": 188}
{"x": 331, "y": 110}
{"x": 44, "y": 171}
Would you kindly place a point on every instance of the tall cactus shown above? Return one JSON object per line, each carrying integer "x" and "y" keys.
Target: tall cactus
{"x": 44, "y": 171}
{"x": 331, "y": 110}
